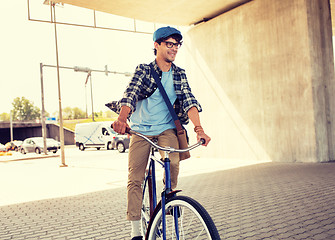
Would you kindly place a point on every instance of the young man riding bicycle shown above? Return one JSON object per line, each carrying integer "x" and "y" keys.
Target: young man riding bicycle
{"x": 148, "y": 114}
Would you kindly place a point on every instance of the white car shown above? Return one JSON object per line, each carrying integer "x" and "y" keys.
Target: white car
{"x": 2, "y": 148}
{"x": 35, "y": 144}
{"x": 100, "y": 135}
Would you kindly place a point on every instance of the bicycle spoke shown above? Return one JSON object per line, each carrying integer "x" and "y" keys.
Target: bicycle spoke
{"x": 193, "y": 222}
{"x": 200, "y": 233}
{"x": 186, "y": 229}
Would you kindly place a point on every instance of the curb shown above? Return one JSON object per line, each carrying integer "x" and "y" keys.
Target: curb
{"x": 29, "y": 158}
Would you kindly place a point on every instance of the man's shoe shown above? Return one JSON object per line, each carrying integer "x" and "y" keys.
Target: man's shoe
{"x": 137, "y": 238}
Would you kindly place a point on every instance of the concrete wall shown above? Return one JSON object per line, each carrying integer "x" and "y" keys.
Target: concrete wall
{"x": 264, "y": 74}
{"x": 53, "y": 131}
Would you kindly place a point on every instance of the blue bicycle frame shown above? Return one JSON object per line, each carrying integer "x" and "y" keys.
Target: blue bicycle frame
{"x": 152, "y": 175}
{"x": 150, "y": 182}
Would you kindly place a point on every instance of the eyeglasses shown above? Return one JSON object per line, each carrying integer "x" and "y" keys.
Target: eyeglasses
{"x": 171, "y": 44}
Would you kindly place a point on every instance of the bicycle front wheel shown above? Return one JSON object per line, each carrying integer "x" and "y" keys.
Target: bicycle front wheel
{"x": 185, "y": 219}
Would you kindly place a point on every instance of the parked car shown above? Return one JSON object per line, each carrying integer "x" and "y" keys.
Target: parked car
{"x": 100, "y": 135}
{"x": 2, "y": 148}
{"x": 13, "y": 145}
{"x": 120, "y": 142}
{"x": 35, "y": 144}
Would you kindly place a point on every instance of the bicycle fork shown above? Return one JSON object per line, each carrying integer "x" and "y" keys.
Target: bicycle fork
{"x": 165, "y": 194}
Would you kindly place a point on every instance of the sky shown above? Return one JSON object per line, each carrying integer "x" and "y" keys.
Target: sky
{"x": 24, "y": 44}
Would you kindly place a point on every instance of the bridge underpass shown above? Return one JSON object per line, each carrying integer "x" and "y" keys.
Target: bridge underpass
{"x": 23, "y": 130}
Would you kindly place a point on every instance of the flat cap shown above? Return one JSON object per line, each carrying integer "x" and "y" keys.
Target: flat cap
{"x": 164, "y": 32}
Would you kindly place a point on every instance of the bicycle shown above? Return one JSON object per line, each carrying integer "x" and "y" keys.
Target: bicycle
{"x": 174, "y": 217}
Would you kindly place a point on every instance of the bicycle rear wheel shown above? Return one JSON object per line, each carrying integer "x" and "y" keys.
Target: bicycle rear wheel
{"x": 193, "y": 221}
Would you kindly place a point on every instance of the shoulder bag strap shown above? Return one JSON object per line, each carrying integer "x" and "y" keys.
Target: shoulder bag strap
{"x": 167, "y": 100}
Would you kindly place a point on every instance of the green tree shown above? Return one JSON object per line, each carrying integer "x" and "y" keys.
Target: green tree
{"x": 99, "y": 114}
{"x": 78, "y": 113}
{"x": 73, "y": 113}
{"x": 110, "y": 114}
{"x": 5, "y": 117}
{"x": 67, "y": 113}
{"x": 23, "y": 109}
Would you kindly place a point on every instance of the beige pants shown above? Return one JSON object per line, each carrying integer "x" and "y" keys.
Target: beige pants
{"x": 139, "y": 150}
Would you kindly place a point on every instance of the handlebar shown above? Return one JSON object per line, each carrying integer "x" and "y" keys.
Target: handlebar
{"x": 168, "y": 149}
{"x": 165, "y": 149}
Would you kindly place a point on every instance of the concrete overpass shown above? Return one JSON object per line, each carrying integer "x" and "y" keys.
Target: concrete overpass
{"x": 23, "y": 130}
{"x": 262, "y": 69}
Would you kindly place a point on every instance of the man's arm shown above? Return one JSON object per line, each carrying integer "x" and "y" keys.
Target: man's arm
{"x": 193, "y": 115}
{"x": 120, "y": 124}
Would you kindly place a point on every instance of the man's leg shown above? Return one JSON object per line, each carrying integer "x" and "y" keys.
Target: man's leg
{"x": 169, "y": 138}
{"x": 139, "y": 151}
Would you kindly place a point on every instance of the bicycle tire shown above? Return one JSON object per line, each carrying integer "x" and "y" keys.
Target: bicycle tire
{"x": 194, "y": 221}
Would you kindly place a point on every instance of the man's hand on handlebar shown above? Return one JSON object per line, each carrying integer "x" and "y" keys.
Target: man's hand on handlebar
{"x": 204, "y": 136}
{"x": 120, "y": 126}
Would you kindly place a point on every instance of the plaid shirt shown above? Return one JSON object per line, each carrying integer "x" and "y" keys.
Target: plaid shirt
{"x": 143, "y": 85}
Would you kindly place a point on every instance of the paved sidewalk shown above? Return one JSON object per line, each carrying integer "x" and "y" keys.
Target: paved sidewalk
{"x": 261, "y": 201}
{"x": 34, "y": 177}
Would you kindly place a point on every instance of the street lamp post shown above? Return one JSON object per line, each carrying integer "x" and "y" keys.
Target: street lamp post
{"x": 44, "y": 132}
{"x": 86, "y": 100}
{"x": 76, "y": 69}
{"x": 89, "y": 76}
{"x": 91, "y": 95}
{"x": 61, "y": 127}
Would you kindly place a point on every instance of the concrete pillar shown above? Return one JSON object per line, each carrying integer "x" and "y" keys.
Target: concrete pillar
{"x": 267, "y": 71}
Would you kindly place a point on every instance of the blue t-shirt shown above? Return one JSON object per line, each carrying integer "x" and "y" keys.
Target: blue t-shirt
{"x": 152, "y": 116}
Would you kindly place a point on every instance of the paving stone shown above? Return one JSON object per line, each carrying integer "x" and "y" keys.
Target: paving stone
{"x": 266, "y": 201}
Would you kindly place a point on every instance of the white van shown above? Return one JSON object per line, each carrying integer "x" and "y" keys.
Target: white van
{"x": 99, "y": 135}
